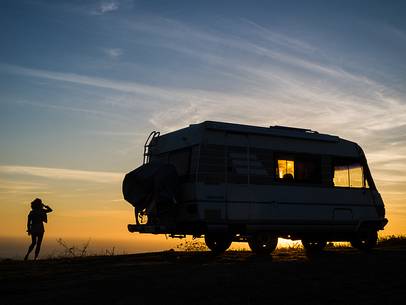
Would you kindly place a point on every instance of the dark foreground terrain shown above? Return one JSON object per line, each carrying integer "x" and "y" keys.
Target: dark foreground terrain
{"x": 337, "y": 276}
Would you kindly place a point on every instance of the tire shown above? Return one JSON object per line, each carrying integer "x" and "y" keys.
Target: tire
{"x": 366, "y": 241}
{"x": 263, "y": 243}
{"x": 218, "y": 243}
{"x": 314, "y": 246}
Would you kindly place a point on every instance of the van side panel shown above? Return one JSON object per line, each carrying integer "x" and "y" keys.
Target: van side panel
{"x": 235, "y": 180}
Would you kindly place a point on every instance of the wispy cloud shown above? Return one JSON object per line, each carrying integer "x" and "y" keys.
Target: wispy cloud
{"x": 62, "y": 173}
{"x": 113, "y": 52}
{"x": 279, "y": 38}
{"x": 122, "y": 86}
{"x": 106, "y": 7}
{"x": 292, "y": 77}
{"x": 22, "y": 187}
{"x": 91, "y": 112}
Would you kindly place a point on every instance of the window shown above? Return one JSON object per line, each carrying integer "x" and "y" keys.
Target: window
{"x": 348, "y": 173}
{"x": 180, "y": 159}
{"x": 308, "y": 170}
{"x": 298, "y": 168}
{"x": 286, "y": 169}
{"x": 212, "y": 164}
{"x": 237, "y": 165}
{"x": 194, "y": 162}
{"x": 185, "y": 161}
{"x": 356, "y": 175}
{"x": 161, "y": 158}
{"x": 341, "y": 177}
{"x": 261, "y": 166}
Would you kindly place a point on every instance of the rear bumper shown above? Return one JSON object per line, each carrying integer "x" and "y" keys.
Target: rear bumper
{"x": 197, "y": 229}
{"x": 153, "y": 229}
{"x": 375, "y": 224}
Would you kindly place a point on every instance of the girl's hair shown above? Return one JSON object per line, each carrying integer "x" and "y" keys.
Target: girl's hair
{"x": 36, "y": 204}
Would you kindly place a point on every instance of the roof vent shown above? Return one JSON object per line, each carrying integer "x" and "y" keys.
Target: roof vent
{"x": 293, "y": 129}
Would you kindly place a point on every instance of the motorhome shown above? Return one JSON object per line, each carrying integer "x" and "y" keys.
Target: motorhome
{"x": 232, "y": 182}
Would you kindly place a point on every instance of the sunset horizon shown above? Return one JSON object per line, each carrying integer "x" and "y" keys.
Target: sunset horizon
{"x": 84, "y": 83}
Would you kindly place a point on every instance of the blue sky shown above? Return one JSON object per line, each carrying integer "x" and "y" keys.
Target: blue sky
{"x": 82, "y": 83}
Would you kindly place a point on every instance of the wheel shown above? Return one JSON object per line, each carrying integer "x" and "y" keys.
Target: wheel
{"x": 218, "y": 243}
{"x": 365, "y": 241}
{"x": 314, "y": 246}
{"x": 263, "y": 243}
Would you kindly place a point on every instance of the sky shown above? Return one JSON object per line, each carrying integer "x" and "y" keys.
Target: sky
{"x": 82, "y": 84}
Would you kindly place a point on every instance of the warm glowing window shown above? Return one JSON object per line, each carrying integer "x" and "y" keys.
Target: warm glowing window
{"x": 286, "y": 169}
{"x": 341, "y": 177}
{"x": 349, "y": 175}
{"x": 356, "y": 175}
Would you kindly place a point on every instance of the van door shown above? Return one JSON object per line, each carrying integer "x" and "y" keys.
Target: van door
{"x": 238, "y": 195}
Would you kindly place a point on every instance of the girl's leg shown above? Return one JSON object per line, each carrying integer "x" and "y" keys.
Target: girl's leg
{"x": 39, "y": 241}
{"x": 33, "y": 242}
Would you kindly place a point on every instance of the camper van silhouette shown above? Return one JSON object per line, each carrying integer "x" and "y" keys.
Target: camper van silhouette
{"x": 231, "y": 182}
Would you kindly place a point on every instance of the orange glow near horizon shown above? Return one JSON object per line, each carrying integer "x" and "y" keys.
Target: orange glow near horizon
{"x": 95, "y": 210}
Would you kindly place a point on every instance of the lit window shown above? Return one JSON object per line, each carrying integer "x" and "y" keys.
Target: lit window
{"x": 341, "y": 177}
{"x": 349, "y": 176}
{"x": 356, "y": 175}
{"x": 286, "y": 169}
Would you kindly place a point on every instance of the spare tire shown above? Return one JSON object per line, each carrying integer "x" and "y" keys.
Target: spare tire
{"x": 152, "y": 181}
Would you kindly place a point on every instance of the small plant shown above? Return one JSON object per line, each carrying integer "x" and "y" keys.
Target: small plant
{"x": 110, "y": 252}
{"x": 73, "y": 251}
{"x": 192, "y": 245}
{"x": 392, "y": 240}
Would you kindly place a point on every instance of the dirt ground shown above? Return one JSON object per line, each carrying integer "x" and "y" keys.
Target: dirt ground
{"x": 336, "y": 276}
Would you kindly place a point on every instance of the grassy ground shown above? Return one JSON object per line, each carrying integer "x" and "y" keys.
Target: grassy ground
{"x": 340, "y": 275}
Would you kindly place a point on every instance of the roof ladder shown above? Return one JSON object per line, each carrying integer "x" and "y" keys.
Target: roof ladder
{"x": 148, "y": 144}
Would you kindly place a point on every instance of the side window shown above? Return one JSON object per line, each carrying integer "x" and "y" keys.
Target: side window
{"x": 237, "y": 165}
{"x": 212, "y": 164}
{"x": 285, "y": 169}
{"x": 161, "y": 158}
{"x": 349, "y": 173}
{"x": 356, "y": 175}
{"x": 298, "y": 168}
{"x": 194, "y": 162}
{"x": 308, "y": 169}
{"x": 261, "y": 166}
{"x": 181, "y": 160}
{"x": 341, "y": 177}
{"x": 185, "y": 161}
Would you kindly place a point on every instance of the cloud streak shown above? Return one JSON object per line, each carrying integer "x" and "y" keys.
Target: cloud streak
{"x": 122, "y": 86}
{"x": 62, "y": 174}
{"x": 106, "y": 7}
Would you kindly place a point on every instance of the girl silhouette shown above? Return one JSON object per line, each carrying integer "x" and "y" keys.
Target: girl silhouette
{"x": 35, "y": 226}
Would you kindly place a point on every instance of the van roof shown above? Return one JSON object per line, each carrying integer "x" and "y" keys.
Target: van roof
{"x": 322, "y": 143}
{"x": 281, "y": 131}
